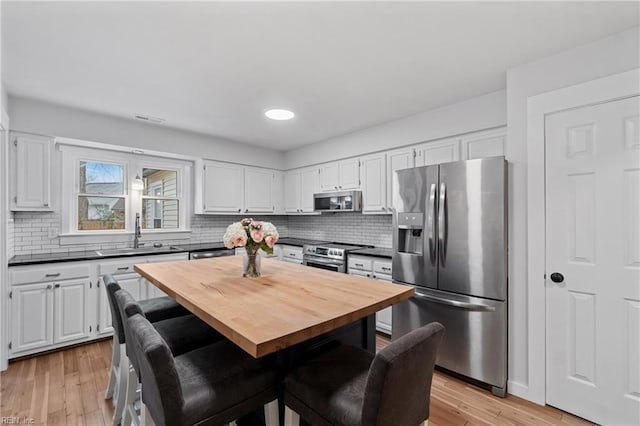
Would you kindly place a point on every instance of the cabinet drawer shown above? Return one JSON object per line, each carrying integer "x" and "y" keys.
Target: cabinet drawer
{"x": 292, "y": 252}
{"x": 125, "y": 266}
{"x": 382, "y": 277}
{"x": 47, "y": 273}
{"x": 361, "y": 263}
{"x": 382, "y": 267}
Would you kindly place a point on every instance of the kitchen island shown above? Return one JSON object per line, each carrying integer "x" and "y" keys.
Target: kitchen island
{"x": 287, "y": 305}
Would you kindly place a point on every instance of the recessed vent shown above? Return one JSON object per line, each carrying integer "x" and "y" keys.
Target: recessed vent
{"x": 149, "y": 119}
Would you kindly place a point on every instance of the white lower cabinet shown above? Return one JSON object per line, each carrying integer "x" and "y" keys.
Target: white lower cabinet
{"x": 49, "y": 314}
{"x": 31, "y": 315}
{"x": 377, "y": 268}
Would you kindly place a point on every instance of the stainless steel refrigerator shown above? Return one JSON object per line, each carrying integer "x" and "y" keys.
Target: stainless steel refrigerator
{"x": 450, "y": 242}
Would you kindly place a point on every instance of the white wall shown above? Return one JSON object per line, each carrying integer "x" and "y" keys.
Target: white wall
{"x": 608, "y": 56}
{"x": 34, "y": 116}
{"x": 478, "y": 113}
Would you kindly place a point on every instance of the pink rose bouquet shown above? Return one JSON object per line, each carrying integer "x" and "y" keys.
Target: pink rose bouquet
{"x": 252, "y": 234}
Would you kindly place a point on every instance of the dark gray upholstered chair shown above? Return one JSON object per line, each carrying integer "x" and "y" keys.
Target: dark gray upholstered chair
{"x": 181, "y": 334}
{"x": 155, "y": 309}
{"x": 350, "y": 386}
{"x": 212, "y": 385}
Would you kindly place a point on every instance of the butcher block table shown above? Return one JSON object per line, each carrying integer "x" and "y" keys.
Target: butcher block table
{"x": 287, "y": 305}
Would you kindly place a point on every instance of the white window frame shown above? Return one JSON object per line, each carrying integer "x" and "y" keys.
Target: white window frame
{"x": 71, "y": 156}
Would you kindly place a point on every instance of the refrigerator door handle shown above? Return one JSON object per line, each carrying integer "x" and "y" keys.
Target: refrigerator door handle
{"x": 442, "y": 224}
{"x": 455, "y": 303}
{"x": 431, "y": 224}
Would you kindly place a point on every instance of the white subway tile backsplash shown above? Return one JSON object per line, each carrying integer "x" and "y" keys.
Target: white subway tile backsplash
{"x": 29, "y": 232}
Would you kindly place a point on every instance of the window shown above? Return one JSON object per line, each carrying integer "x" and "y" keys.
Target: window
{"x": 160, "y": 203}
{"x": 99, "y": 182}
{"x": 101, "y": 196}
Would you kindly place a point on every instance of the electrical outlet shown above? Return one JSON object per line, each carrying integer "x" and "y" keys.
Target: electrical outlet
{"x": 52, "y": 232}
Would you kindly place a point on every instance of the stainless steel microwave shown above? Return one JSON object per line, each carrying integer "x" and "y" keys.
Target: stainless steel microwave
{"x": 343, "y": 201}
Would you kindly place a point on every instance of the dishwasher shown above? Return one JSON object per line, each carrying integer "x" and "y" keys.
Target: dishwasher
{"x": 210, "y": 253}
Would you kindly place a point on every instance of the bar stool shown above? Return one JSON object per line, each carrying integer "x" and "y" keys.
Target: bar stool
{"x": 350, "y": 386}
{"x": 155, "y": 309}
{"x": 180, "y": 334}
{"x": 212, "y": 385}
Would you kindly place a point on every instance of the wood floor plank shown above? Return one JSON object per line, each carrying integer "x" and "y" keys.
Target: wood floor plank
{"x": 67, "y": 388}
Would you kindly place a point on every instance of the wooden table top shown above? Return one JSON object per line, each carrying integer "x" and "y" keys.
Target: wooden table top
{"x": 288, "y": 304}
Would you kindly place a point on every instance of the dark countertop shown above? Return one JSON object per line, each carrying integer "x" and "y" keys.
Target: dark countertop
{"x": 374, "y": 252}
{"x": 76, "y": 256}
{"x": 298, "y": 241}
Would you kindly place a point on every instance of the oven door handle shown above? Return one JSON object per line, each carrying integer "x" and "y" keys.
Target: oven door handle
{"x": 322, "y": 260}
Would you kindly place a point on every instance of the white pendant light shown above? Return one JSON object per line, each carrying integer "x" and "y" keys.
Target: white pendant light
{"x": 137, "y": 184}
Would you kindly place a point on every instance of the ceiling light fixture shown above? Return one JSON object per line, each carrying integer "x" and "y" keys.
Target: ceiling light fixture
{"x": 279, "y": 114}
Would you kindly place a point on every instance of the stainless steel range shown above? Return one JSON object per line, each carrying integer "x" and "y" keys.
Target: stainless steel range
{"x": 330, "y": 256}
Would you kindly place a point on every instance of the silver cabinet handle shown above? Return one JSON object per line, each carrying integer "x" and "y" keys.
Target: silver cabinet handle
{"x": 239, "y": 210}
{"x": 442, "y": 224}
{"x": 123, "y": 268}
{"x": 246, "y": 210}
{"x": 359, "y": 264}
{"x": 431, "y": 224}
{"x": 456, "y": 303}
{"x": 53, "y": 275}
{"x": 385, "y": 268}
{"x": 56, "y": 286}
{"x": 49, "y": 287}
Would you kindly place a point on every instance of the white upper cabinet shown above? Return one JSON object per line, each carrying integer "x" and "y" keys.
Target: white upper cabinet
{"x": 31, "y": 177}
{"x": 490, "y": 143}
{"x": 292, "y": 191}
{"x": 309, "y": 185}
{"x": 299, "y": 187}
{"x": 258, "y": 190}
{"x": 340, "y": 175}
{"x": 374, "y": 187}
{"x": 444, "y": 151}
{"x": 278, "y": 192}
{"x": 397, "y": 159}
{"x": 221, "y": 187}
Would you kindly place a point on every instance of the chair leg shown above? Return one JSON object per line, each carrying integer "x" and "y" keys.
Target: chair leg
{"x": 145, "y": 416}
{"x": 291, "y": 418}
{"x": 129, "y": 409}
{"x": 120, "y": 392}
{"x": 271, "y": 414}
{"x": 115, "y": 364}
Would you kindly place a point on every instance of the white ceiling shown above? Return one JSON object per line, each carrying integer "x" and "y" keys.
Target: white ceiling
{"x": 340, "y": 66}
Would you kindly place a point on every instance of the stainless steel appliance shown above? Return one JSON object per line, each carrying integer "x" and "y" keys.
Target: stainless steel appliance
{"x": 450, "y": 242}
{"x": 210, "y": 253}
{"x": 330, "y": 256}
{"x": 343, "y": 201}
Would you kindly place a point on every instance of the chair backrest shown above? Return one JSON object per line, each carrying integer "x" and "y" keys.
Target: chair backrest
{"x": 398, "y": 388}
{"x": 128, "y": 307}
{"x": 112, "y": 286}
{"x": 161, "y": 390}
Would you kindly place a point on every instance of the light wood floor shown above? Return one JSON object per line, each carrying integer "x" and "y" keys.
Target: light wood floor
{"x": 67, "y": 388}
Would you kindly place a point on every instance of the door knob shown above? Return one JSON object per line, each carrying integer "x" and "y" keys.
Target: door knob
{"x": 557, "y": 277}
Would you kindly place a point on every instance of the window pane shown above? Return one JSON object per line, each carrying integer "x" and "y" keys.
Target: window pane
{"x": 160, "y": 183}
{"x": 159, "y": 214}
{"x": 101, "y": 178}
{"x": 99, "y": 213}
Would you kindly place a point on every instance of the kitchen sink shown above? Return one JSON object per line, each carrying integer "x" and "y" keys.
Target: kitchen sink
{"x": 129, "y": 251}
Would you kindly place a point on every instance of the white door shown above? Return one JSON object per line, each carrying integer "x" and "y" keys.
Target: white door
{"x": 593, "y": 241}
{"x": 374, "y": 188}
{"x": 71, "y": 319}
{"x": 32, "y": 316}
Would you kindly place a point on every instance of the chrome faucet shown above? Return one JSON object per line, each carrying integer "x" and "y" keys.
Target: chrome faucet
{"x": 138, "y": 234}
